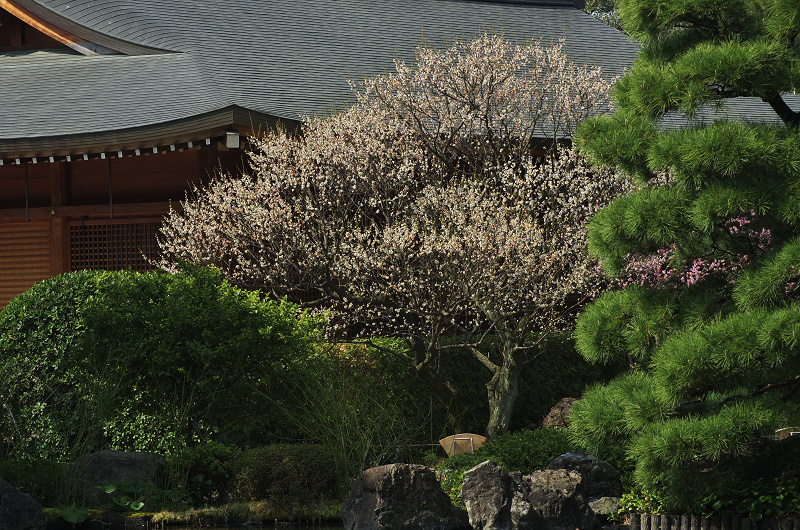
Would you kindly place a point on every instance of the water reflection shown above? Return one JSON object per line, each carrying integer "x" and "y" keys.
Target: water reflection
{"x": 304, "y": 525}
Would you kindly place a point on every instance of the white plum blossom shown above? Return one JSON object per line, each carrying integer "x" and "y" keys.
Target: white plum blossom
{"x": 424, "y": 210}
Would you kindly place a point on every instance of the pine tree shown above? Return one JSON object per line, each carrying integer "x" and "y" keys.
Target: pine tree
{"x": 706, "y": 250}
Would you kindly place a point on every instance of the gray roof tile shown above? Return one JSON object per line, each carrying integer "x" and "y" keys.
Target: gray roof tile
{"x": 284, "y": 58}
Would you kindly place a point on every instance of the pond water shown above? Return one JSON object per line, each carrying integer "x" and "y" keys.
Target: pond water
{"x": 271, "y": 526}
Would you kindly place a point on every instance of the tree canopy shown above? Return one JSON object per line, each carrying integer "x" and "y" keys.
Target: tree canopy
{"x": 604, "y": 10}
{"x": 706, "y": 252}
{"x": 422, "y": 212}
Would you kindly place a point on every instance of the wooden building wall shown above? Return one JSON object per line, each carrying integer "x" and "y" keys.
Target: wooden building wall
{"x": 92, "y": 214}
{"x": 25, "y": 257}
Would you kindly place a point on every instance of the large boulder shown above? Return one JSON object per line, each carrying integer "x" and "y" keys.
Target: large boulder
{"x": 489, "y": 492}
{"x": 543, "y": 500}
{"x": 118, "y": 468}
{"x": 400, "y": 496}
{"x": 767, "y": 459}
{"x": 606, "y": 506}
{"x": 558, "y": 417}
{"x": 18, "y": 510}
{"x": 600, "y": 478}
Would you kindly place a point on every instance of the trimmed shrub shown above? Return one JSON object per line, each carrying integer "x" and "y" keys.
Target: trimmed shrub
{"x": 149, "y": 361}
{"x": 205, "y": 473}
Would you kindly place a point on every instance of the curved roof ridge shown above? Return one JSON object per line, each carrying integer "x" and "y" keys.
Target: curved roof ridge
{"x": 77, "y": 34}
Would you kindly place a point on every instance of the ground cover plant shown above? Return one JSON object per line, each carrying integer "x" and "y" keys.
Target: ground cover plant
{"x": 524, "y": 451}
{"x": 360, "y": 404}
{"x": 422, "y": 212}
{"x": 706, "y": 250}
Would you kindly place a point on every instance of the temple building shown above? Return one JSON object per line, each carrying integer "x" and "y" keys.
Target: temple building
{"x": 112, "y": 110}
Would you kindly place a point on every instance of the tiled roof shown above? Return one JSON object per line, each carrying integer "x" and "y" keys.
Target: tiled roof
{"x": 280, "y": 58}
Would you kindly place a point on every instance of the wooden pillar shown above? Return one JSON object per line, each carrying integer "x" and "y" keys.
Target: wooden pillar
{"x": 59, "y": 186}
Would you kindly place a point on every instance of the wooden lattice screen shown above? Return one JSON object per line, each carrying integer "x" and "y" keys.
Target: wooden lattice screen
{"x": 113, "y": 244}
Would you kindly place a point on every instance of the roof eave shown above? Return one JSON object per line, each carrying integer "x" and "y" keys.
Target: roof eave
{"x": 81, "y": 38}
{"x": 196, "y": 128}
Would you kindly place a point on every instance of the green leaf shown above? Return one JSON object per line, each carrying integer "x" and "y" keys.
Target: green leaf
{"x": 121, "y": 500}
{"x": 74, "y": 514}
{"x": 108, "y": 487}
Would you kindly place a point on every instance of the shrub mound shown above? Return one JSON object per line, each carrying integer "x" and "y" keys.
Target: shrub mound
{"x": 136, "y": 361}
{"x": 285, "y": 473}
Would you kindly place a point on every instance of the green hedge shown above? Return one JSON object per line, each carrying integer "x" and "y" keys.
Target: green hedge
{"x": 150, "y": 361}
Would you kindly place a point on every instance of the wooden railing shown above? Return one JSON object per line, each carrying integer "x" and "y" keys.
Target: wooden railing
{"x": 699, "y": 522}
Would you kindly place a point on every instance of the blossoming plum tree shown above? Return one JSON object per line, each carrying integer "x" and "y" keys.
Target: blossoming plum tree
{"x": 421, "y": 211}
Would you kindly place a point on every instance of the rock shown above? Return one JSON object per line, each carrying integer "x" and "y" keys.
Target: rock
{"x": 558, "y": 417}
{"x": 543, "y": 500}
{"x": 767, "y": 459}
{"x": 18, "y": 510}
{"x": 488, "y": 492}
{"x": 115, "y": 467}
{"x": 558, "y": 497}
{"x": 600, "y": 478}
{"x": 605, "y": 505}
{"x": 400, "y": 496}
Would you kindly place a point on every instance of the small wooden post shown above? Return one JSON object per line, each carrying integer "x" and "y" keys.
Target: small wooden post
{"x": 635, "y": 521}
{"x": 714, "y": 523}
{"x": 736, "y": 523}
{"x": 725, "y": 522}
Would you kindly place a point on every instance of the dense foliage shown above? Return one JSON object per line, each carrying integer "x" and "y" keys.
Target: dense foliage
{"x": 142, "y": 362}
{"x": 421, "y": 213}
{"x": 758, "y": 499}
{"x": 604, "y": 10}
{"x": 524, "y": 451}
{"x": 708, "y": 249}
{"x": 285, "y": 474}
{"x": 360, "y": 404}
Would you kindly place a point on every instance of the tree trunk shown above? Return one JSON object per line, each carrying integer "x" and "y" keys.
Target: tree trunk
{"x": 447, "y": 394}
{"x": 503, "y": 390}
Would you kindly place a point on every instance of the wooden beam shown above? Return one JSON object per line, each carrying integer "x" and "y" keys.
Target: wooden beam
{"x": 29, "y": 18}
{"x": 59, "y": 184}
{"x": 95, "y": 210}
{"x": 58, "y": 225}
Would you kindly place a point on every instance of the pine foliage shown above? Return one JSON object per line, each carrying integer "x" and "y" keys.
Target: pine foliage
{"x": 706, "y": 253}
